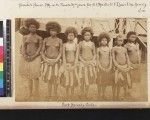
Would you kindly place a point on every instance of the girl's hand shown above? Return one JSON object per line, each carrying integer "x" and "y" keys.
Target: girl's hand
{"x": 91, "y": 63}
{"x": 108, "y": 70}
{"x": 125, "y": 69}
{"x": 31, "y": 58}
{"x": 28, "y": 59}
{"x": 67, "y": 67}
{"x": 86, "y": 63}
{"x": 51, "y": 62}
{"x": 131, "y": 68}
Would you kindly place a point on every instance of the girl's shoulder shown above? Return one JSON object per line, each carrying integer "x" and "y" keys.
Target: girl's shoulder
{"x": 59, "y": 40}
{"x": 130, "y": 44}
{"x": 64, "y": 44}
{"x": 39, "y": 37}
{"x": 106, "y": 49}
{"x": 46, "y": 39}
{"x": 114, "y": 48}
{"x": 81, "y": 42}
{"x": 92, "y": 43}
{"x": 25, "y": 36}
{"x": 127, "y": 45}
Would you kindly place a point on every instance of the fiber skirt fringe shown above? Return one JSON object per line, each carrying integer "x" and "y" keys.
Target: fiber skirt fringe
{"x": 30, "y": 70}
{"x": 50, "y": 72}
{"x": 69, "y": 77}
{"x": 87, "y": 73}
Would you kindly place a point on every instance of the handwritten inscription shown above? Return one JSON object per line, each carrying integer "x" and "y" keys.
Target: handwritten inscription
{"x": 140, "y": 7}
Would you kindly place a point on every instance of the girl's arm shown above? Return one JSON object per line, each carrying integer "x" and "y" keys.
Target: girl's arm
{"x": 60, "y": 51}
{"x": 64, "y": 55}
{"x": 97, "y": 56}
{"x": 40, "y": 45}
{"x": 80, "y": 57}
{"x": 110, "y": 65}
{"x": 43, "y": 50}
{"x": 128, "y": 63}
{"x": 128, "y": 60}
{"x": 94, "y": 52}
{"x": 113, "y": 58}
{"x": 77, "y": 54}
{"x": 24, "y": 48}
{"x": 98, "y": 61}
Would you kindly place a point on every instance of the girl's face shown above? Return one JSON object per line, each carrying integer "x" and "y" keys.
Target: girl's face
{"x": 119, "y": 41}
{"x": 70, "y": 36}
{"x": 132, "y": 38}
{"x": 32, "y": 28}
{"x": 103, "y": 42}
{"x": 87, "y": 36}
{"x": 53, "y": 32}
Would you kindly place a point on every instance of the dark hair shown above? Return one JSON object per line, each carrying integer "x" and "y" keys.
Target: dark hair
{"x": 53, "y": 25}
{"x": 87, "y": 29}
{"x": 130, "y": 33}
{"x": 103, "y": 35}
{"x": 32, "y": 21}
{"x": 119, "y": 36}
{"x": 71, "y": 30}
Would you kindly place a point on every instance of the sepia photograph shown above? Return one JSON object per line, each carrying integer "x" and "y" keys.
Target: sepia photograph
{"x": 81, "y": 59}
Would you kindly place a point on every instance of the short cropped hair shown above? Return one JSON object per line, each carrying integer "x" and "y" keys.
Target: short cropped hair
{"x": 32, "y": 21}
{"x": 53, "y": 26}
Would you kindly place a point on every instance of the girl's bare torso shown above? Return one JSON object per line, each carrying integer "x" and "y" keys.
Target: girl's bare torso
{"x": 104, "y": 56}
{"x": 87, "y": 50}
{"x": 70, "y": 52}
{"x": 32, "y": 44}
{"x": 133, "y": 52}
{"x": 120, "y": 55}
{"x": 52, "y": 47}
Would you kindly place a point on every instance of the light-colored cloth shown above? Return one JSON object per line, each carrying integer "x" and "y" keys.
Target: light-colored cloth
{"x": 88, "y": 73}
{"x": 50, "y": 72}
{"x": 69, "y": 77}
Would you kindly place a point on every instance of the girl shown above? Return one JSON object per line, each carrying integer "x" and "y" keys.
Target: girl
{"x": 51, "y": 54}
{"x": 70, "y": 59}
{"x": 134, "y": 55}
{"x": 135, "y": 58}
{"x": 87, "y": 56}
{"x": 122, "y": 66}
{"x": 104, "y": 62}
{"x": 30, "y": 50}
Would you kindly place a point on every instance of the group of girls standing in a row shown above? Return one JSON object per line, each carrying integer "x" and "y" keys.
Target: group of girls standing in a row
{"x": 72, "y": 64}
